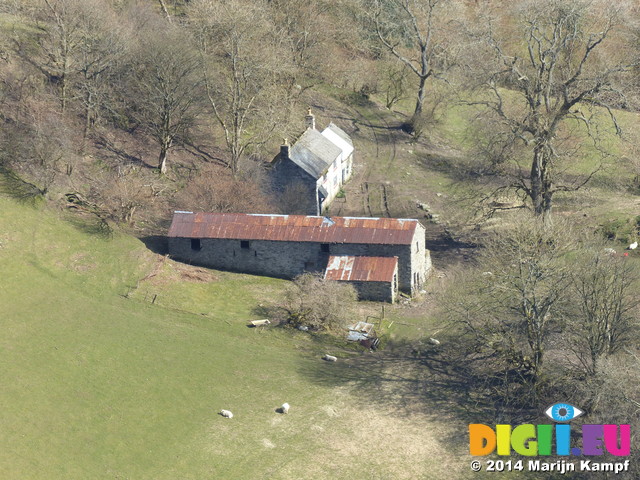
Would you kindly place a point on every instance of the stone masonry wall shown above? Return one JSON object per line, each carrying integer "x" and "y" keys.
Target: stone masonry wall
{"x": 289, "y": 259}
{"x": 375, "y": 291}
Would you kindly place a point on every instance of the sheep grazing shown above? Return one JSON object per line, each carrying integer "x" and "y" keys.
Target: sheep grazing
{"x": 434, "y": 341}
{"x": 284, "y": 408}
{"x": 633, "y": 246}
{"x": 226, "y": 413}
{"x": 330, "y": 358}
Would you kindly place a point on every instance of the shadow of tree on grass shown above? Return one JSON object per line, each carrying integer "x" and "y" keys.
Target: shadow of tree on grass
{"x": 437, "y": 382}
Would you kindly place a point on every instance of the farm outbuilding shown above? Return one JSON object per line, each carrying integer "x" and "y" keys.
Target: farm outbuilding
{"x": 374, "y": 278}
{"x": 287, "y": 245}
{"x": 314, "y": 168}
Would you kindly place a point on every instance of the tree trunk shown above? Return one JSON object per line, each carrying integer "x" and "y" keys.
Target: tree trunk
{"x": 63, "y": 93}
{"x": 162, "y": 161}
{"x": 535, "y": 178}
{"x": 415, "y": 122}
{"x": 541, "y": 191}
{"x": 87, "y": 121}
{"x": 165, "y": 10}
{"x": 547, "y": 196}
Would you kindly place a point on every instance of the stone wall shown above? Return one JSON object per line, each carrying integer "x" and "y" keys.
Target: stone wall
{"x": 276, "y": 259}
{"x": 287, "y": 175}
{"x": 420, "y": 261}
{"x": 374, "y": 291}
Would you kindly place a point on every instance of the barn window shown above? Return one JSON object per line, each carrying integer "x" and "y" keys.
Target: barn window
{"x": 324, "y": 248}
{"x": 195, "y": 244}
{"x": 244, "y": 244}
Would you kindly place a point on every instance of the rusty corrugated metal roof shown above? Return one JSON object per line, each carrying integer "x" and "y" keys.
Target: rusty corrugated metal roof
{"x": 293, "y": 228}
{"x": 361, "y": 269}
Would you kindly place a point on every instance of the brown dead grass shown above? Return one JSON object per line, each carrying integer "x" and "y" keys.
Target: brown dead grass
{"x": 350, "y": 430}
{"x": 167, "y": 271}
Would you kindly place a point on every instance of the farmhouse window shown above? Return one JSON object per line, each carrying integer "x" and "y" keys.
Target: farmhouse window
{"x": 195, "y": 244}
{"x": 324, "y": 248}
{"x": 244, "y": 244}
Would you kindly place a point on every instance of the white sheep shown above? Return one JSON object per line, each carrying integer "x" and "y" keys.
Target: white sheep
{"x": 226, "y": 413}
{"x": 284, "y": 408}
{"x": 434, "y": 341}
{"x": 330, "y": 358}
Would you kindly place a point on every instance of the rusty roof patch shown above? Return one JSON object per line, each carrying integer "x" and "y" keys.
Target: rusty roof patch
{"x": 293, "y": 228}
{"x": 361, "y": 269}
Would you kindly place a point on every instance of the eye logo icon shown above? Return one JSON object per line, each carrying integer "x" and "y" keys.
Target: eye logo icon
{"x": 562, "y": 412}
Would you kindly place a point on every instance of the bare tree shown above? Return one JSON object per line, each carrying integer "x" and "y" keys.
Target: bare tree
{"x": 509, "y": 308}
{"x": 395, "y": 84}
{"x": 37, "y": 152}
{"x": 306, "y": 31}
{"x": 605, "y": 309}
{"x": 414, "y": 32}
{"x": 51, "y": 48}
{"x": 243, "y": 64}
{"x": 164, "y": 86}
{"x": 565, "y": 57}
{"x": 319, "y": 304}
{"x": 215, "y": 189}
{"x": 102, "y": 46}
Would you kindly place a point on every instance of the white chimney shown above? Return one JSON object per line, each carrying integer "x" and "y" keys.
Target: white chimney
{"x": 284, "y": 150}
{"x": 310, "y": 119}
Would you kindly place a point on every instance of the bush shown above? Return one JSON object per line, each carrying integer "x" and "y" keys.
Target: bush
{"x": 620, "y": 229}
{"x": 319, "y": 304}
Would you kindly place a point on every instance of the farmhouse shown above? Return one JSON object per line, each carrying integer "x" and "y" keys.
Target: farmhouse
{"x": 313, "y": 169}
{"x": 288, "y": 245}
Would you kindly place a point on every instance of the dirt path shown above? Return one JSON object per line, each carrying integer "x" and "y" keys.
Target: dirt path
{"x": 372, "y": 192}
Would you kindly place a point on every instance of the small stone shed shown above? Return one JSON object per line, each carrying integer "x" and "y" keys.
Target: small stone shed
{"x": 374, "y": 278}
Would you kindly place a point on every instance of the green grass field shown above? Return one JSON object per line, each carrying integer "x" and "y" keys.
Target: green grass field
{"x": 96, "y": 385}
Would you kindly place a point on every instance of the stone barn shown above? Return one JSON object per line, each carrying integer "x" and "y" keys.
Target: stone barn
{"x": 374, "y": 278}
{"x": 309, "y": 174}
{"x": 287, "y": 245}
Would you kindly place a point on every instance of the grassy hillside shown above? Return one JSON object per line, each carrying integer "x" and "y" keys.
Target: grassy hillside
{"x": 96, "y": 385}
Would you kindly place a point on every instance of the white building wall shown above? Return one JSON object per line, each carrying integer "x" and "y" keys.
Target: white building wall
{"x": 331, "y": 182}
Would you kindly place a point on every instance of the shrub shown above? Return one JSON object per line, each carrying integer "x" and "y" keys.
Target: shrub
{"x": 319, "y": 304}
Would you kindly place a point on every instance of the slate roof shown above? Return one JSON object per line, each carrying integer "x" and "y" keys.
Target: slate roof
{"x": 314, "y": 153}
{"x": 338, "y": 137}
{"x": 361, "y": 269}
{"x": 293, "y": 228}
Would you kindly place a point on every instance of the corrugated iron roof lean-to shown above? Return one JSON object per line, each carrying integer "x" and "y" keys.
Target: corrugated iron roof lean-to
{"x": 361, "y": 269}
